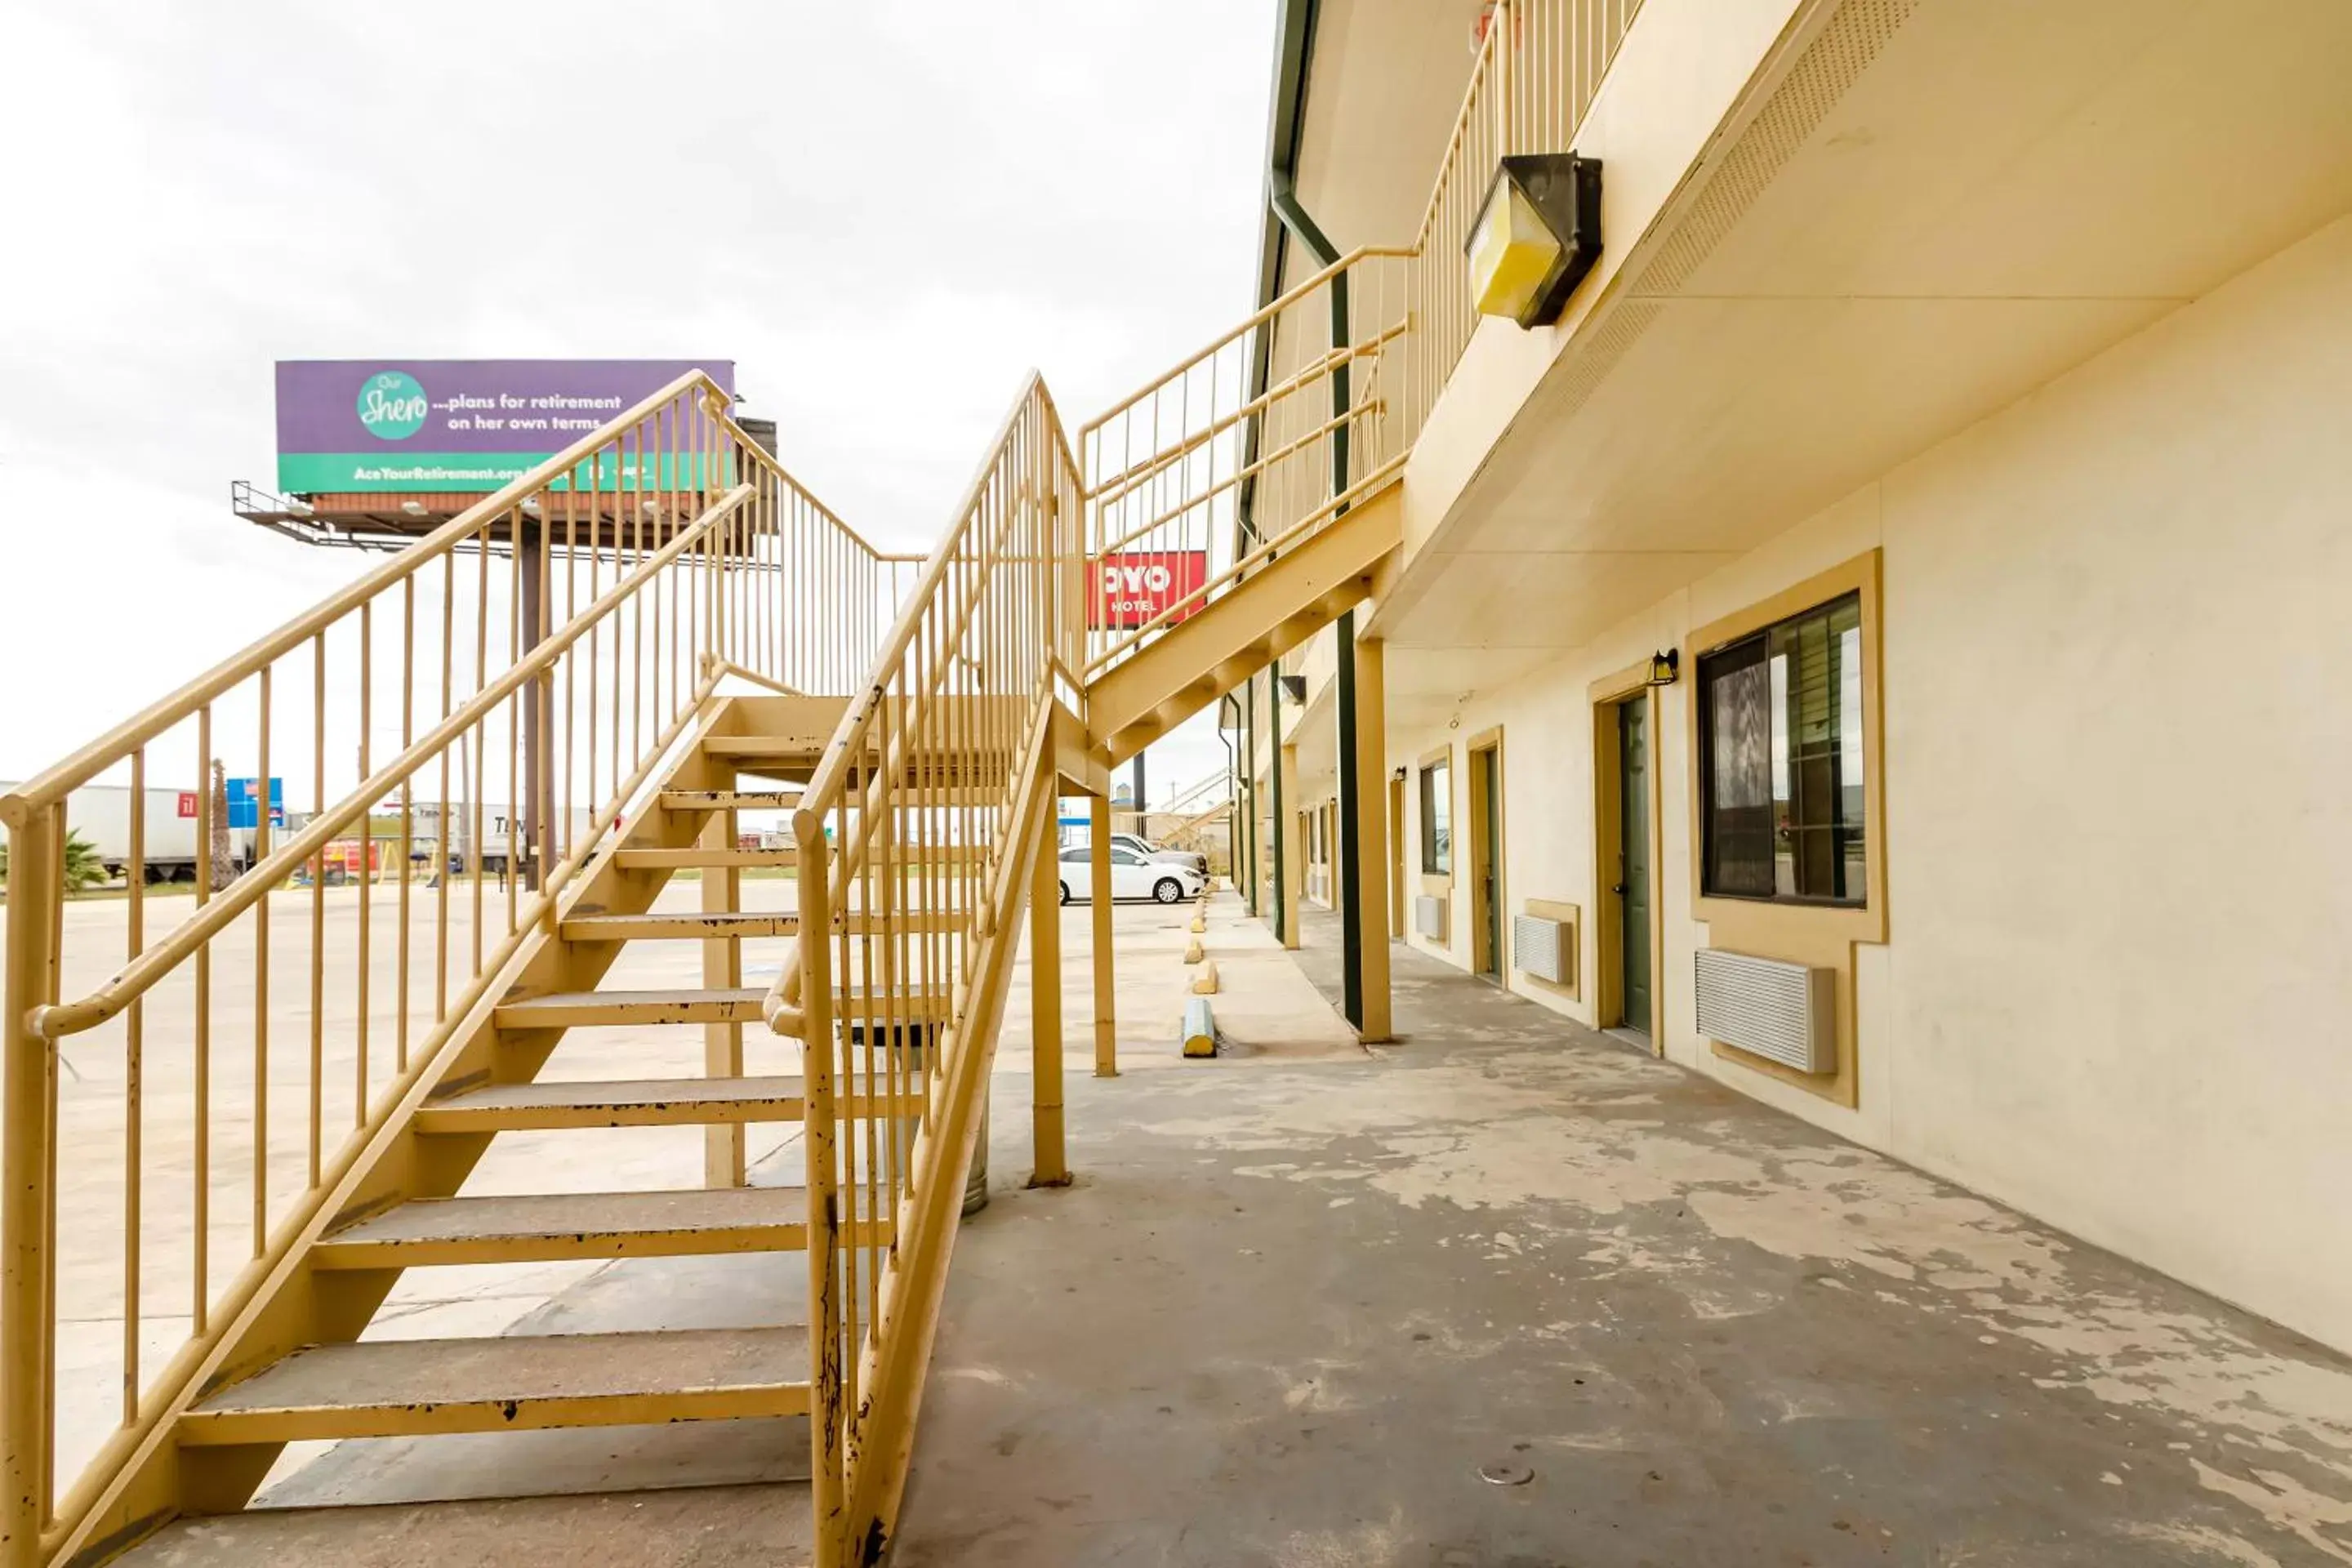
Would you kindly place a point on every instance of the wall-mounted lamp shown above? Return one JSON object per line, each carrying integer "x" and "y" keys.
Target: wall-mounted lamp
{"x": 1398, "y": 775}
{"x": 1665, "y": 668}
{"x": 1537, "y": 235}
{"x": 1295, "y": 688}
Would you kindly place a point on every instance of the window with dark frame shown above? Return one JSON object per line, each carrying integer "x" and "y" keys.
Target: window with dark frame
{"x": 1780, "y": 761}
{"x": 1437, "y": 819}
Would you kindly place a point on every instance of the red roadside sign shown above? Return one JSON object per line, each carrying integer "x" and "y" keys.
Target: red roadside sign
{"x": 1131, "y": 588}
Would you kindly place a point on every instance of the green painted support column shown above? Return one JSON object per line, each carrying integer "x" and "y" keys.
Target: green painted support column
{"x": 1273, "y": 772}
{"x": 1352, "y": 847}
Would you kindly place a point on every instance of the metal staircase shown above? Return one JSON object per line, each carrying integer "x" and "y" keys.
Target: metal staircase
{"x": 648, "y": 636}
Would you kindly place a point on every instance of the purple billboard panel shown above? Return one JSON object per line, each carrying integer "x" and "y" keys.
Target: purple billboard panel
{"x": 357, "y": 425}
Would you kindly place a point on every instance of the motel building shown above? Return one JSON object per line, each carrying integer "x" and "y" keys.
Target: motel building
{"x": 1819, "y": 657}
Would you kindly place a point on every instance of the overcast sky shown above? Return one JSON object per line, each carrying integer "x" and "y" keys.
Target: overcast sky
{"x": 885, "y": 212}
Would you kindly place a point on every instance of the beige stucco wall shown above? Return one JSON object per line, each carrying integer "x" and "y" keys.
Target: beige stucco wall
{"x": 2118, "y": 670}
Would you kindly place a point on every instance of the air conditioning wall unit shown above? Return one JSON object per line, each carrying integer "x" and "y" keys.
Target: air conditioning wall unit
{"x": 1544, "y": 948}
{"x": 1433, "y": 916}
{"x": 1783, "y": 1012}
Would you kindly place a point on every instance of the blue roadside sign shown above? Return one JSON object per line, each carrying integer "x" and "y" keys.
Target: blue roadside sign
{"x": 243, "y": 808}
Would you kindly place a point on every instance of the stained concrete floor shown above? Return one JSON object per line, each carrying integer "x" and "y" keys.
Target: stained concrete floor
{"x": 1291, "y": 1309}
{"x": 1300, "y": 1296}
{"x": 389, "y": 1502}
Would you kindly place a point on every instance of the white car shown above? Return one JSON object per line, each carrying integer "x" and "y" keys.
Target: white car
{"x": 1151, "y": 851}
{"x": 1148, "y": 851}
{"x": 1131, "y": 876}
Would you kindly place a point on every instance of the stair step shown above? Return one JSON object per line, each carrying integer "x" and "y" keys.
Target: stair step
{"x": 635, "y": 1102}
{"x": 566, "y": 1227}
{"x": 570, "y": 1009}
{"x": 415, "y": 1387}
{"x": 729, "y": 799}
{"x": 686, "y": 860}
{"x": 795, "y": 757}
{"x": 764, "y": 748}
{"x": 693, "y": 926}
{"x": 593, "y": 1009}
{"x": 689, "y": 925}
{"x": 952, "y": 794}
{"x": 633, "y": 1528}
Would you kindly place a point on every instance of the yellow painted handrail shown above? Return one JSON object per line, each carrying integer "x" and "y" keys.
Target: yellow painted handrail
{"x": 1305, "y": 289}
{"x": 939, "y": 747}
{"x": 1267, "y": 428}
{"x": 179, "y": 1380}
{"x": 56, "y": 1022}
{"x": 649, "y": 562}
{"x": 1190, "y": 603}
{"x": 52, "y": 784}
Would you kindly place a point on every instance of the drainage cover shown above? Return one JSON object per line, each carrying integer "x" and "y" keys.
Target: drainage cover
{"x": 1505, "y": 1475}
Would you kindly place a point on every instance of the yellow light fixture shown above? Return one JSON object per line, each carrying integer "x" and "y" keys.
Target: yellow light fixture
{"x": 1537, "y": 235}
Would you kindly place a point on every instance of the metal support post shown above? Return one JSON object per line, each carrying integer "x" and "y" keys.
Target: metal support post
{"x": 530, "y": 830}
{"x": 1290, "y": 853}
{"x": 36, "y": 878}
{"x": 1284, "y": 915}
{"x": 1351, "y": 845}
{"x": 1052, "y": 1168}
{"x": 1106, "y": 1009}
{"x": 723, "y": 969}
{"x": 1368, "y": 863}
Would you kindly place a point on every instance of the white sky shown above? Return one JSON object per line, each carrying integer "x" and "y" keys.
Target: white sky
{"x": 886, "y": 213}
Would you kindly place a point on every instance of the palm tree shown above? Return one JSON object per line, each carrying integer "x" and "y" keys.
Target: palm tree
{"x": 83, "y": 869}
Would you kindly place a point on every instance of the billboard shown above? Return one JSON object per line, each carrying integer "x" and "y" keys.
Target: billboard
{"x": 1126, "y": 589}
{"x": 468, "y": 425}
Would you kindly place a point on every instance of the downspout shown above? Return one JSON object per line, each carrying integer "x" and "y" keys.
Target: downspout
{"x": 1296, "y": 48}
{"x": 1228, "y": 708}
{"x": 1293, "y": 26}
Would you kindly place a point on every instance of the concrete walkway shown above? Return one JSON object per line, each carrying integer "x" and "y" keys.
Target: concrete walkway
{"x": 1293, "y": 1309}
{"x": 1301, "y": 1295}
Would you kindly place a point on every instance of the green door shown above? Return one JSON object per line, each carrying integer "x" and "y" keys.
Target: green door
{"x": 1633, "y": 860}
{"x": 1490, "y": 812}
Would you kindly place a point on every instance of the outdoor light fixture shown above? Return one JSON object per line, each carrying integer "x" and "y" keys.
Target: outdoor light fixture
{"x": 1537, "y": 235}
{"x": 1664, "y": 667}
{"x": 1294, "y": 687}
{"x": 412, "y": 508}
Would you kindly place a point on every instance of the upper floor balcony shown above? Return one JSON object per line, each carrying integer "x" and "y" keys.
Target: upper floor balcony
{"x": 1834, "y": 233}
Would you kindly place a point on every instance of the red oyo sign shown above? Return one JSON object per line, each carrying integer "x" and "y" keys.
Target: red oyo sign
{"x": 1132, "y": 588}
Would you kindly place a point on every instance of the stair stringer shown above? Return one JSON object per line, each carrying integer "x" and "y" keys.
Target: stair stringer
{"x": 295, "y": 1304}
{"x": 1263, "y": 616}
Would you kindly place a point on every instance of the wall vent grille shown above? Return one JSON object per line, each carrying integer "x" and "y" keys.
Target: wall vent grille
{"x": 1432, "y": 918}
{"x": 1544, "y": 948}
{"x": 1784, "y": 1012}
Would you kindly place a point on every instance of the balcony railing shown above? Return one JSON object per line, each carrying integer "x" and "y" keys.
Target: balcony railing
{"x": 1315, "y": 402}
